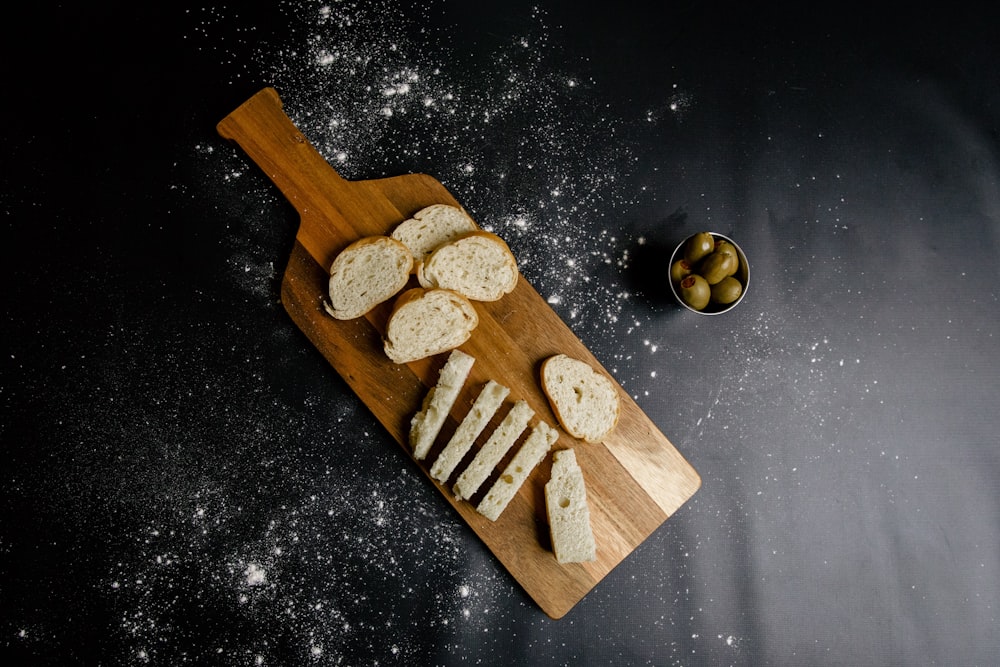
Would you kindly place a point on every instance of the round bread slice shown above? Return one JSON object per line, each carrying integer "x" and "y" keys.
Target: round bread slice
{"x": 366, "y": 273}
{"x": 432, "y": 226}
{"x": 584, "y": 401}
{"x": 425, "y": 322}
{"x": 479, "y": 265}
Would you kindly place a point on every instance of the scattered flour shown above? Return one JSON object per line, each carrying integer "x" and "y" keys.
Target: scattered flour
{"x": 282, "y": 539}
{"x": 527, "y": 146}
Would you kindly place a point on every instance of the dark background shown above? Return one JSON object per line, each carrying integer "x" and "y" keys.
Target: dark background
{"x": 185, "y": 480}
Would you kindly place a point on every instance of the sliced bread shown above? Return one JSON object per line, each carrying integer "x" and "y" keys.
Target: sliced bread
{"x": 485, "y": 406}
{"x": 431, "y": 227}
{"x": 499, "y": 443}
{"x": 425, "y": 322}
{"x": 426, "y": 424}
{"x": 584, "y": 401}
{"x": 568, "y": 512}
{"x": 479, "y": 265}
{"x": 530, "y": 454}
{"x": 366, "y": 273}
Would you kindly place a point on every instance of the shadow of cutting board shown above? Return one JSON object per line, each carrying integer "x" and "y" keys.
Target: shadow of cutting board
{"x": 635, "y": 480}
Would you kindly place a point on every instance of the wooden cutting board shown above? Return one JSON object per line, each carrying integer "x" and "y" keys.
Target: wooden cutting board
{"x": 635, "y": 480}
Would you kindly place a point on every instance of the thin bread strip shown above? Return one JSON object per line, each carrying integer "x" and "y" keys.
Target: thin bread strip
{"x": 486, "y": 405}
{"x": 427, "y": 423}
{"x": 507, "y": 485}
{"x": 487, "y": 458}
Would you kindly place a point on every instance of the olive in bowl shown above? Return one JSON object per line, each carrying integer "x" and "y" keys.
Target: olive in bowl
{"x": 709, "y": 274}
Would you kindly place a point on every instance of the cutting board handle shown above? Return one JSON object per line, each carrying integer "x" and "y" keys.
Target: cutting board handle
{"x": 263, "y": 130}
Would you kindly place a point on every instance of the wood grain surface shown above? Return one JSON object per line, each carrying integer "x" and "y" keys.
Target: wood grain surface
{"x": 635, "y": 480}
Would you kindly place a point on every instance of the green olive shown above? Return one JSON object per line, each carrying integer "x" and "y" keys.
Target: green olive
{"x": 729, "y": 249}
{"x": 726, "y": 290}
{"x": 698, "y": 246}
{"x": 717, "y": 266}
{"x": 679, "y": 270}
{"x": 722, "y": 245}
{"x": 695, "y": 292}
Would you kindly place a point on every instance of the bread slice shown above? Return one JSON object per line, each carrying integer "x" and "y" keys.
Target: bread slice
{"x": 427, "y": 322}
{"x": 487, "y": 458}
{"x": 568, "y": 512}
{"x": 431, "y": 227}
{"x": 584, "y": 401}
{"x": 366, "y": 273}
{"x": 479, "y": 265}
{"x": 507, "y": 485}
{"x": 426, "y": 424}
{"x": 491, "y": 396}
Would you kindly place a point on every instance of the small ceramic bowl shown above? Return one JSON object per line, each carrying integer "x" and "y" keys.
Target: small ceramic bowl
{"x": 742, "y": 274}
